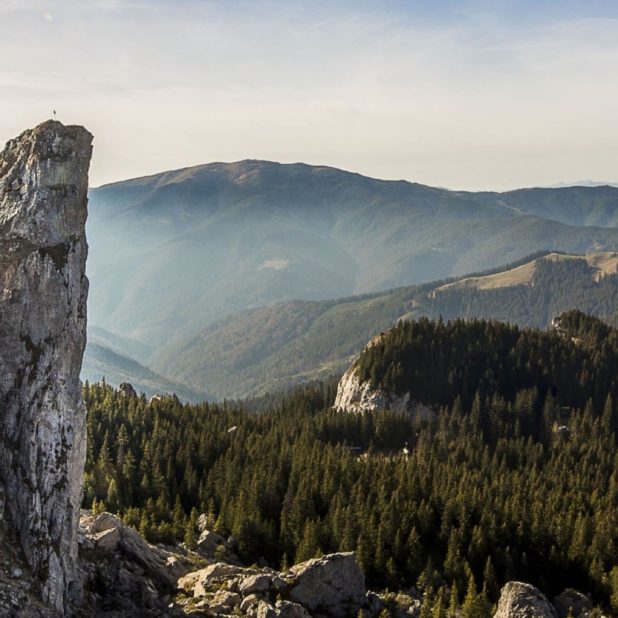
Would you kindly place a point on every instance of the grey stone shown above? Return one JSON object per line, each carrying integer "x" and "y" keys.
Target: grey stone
{"x": 224, "y": 601}
{"x": 254, "y": 583}
{"x": 333, "y": 584}
{"x": 213, "y": 574}
{"x": 43, "y": 290}
{"x": 354, "y": 396}
{"x": 249, "y": 602}
{"x": 126, "y": 388}
{"x": 520, "y": 600}
{"x": 266, "y": 610}
{"x": 209, "y": 541}
{"x": 112, "y": 534}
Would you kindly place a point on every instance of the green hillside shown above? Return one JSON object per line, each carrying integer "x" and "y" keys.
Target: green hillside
{"x": 264, "y": 349}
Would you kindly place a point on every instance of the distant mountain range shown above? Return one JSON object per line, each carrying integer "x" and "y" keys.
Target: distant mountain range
{"x": 171, "y": 253}
{"x": 185, "y": 266}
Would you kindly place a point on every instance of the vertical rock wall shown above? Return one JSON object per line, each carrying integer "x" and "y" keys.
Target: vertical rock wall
{"x": 43, "y": 290}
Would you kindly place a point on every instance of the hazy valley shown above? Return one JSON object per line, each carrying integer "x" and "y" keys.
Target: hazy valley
{"x": 235, "y": 279}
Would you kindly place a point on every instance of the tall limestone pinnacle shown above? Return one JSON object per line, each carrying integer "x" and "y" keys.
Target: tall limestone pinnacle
{"x": 43, "y": 290}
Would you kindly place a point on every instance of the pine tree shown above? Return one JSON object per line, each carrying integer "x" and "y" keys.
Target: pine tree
{"x": 190, "y": 530}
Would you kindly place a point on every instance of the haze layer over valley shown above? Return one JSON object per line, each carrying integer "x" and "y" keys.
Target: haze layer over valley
{"x": 174, "y": 253}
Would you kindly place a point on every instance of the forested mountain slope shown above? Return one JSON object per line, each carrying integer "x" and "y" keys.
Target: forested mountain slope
{"x": 171, "y": 253}
{"x": 267, "y": 348}
{"x": 514, "y": 479}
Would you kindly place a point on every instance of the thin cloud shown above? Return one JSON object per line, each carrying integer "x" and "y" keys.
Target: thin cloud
{"x": 465, "y": 99}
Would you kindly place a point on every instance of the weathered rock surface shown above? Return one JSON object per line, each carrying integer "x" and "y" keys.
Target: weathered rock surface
{"x": 360, "y": 397}
{"x": 209, "y": 541}
{"x": 519, "y": 600}
{"x": 43, "y": 289}
{"x": 125, "y": 576}
{"x": 110, "y": 534}
{"x": 329, "y": 586}
{"x": 333, "y": 585}
{"x": 126, "y": 388}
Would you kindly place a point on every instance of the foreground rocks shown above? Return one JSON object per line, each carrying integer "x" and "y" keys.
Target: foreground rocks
{"x": 43, "y": 289}
{"x": 123, "y": 574}
{"x": 571, "y": 602}
{"x": 332, "y": 585}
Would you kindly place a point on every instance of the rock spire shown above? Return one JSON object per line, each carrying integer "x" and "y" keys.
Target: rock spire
{"x": 43, "y": 290}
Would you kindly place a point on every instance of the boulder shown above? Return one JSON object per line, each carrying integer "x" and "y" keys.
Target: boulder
{"x": 187, "y": 582}
{"x": 520, "y": 600}
{"x": 126, "y": 388}
{"x": 332, "y": 585}
{"x": 249, "y": 602}
{"x": 223, "y": 602}
{"x": 108, "y": 540}
{"x": 266, "y": 610}
{"x": 572, "y": 601}
{"x": 112, "y": 534}
{"x": 213, "y": 574}
{"x": 254, "y": 583}
{"x": 208, "y": 542}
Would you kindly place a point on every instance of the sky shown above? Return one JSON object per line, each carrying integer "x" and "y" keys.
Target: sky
{"x": 465, "y": 94}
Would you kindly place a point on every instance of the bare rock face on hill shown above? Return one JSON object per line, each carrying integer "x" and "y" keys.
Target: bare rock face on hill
{"x": 360, "y": 397}
{"x": 519, "y": 600}
{"x": 43, "y": 289}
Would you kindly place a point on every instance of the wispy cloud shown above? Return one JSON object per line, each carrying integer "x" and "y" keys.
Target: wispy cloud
{"x": 478, "y": 95}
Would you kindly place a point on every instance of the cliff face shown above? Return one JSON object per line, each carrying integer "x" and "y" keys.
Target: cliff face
{"x": 360, "y": 397}
{"x": 43, "y": 289}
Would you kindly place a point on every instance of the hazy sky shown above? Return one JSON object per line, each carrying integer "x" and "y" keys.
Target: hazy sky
{"x": 464, "y": 94}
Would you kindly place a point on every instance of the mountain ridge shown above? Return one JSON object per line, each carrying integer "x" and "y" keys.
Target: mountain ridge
{"x": 271, "y": 347}
{"x": 176, "y": 251}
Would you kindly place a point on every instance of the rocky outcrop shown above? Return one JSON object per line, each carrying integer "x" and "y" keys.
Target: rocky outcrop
{"x": 333, "y": 585}
{"x": 126, "y": 388}
{"x": 519, "y": 600}
{"x": 360, "y": 397}
{"x": 122, "y": 574}
{"x": 110, "y": 534}
{"x": 43, "y": 289}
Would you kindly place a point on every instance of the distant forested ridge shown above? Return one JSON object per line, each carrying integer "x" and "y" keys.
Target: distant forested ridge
{"x": 440, "y": 361}
{"x": 555, "y": 286}
{"x": 515, "y": 479}
{"x": 263, "y": 349}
